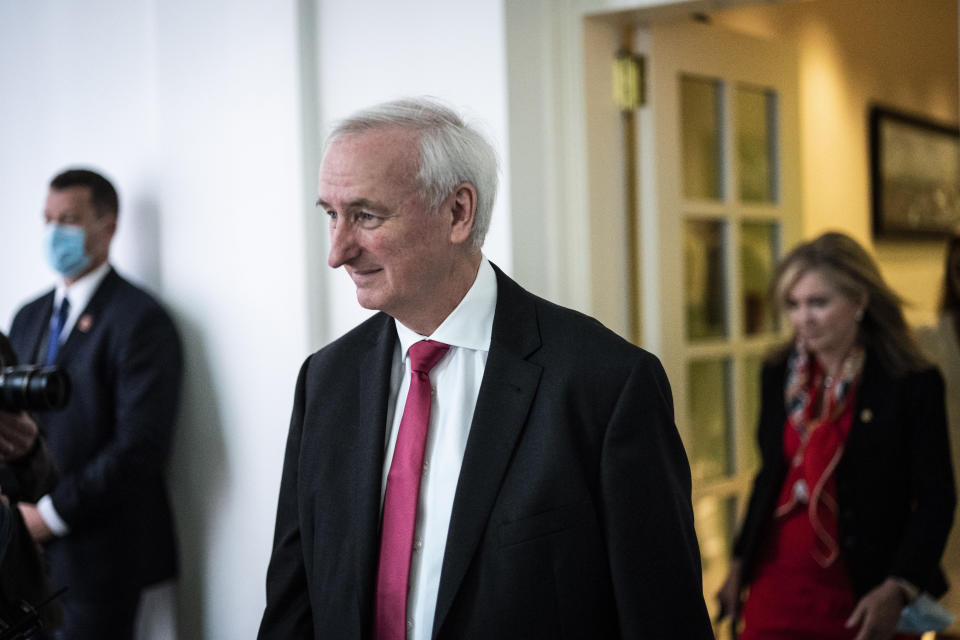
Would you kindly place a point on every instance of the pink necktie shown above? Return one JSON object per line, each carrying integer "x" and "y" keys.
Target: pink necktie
{"x": 400, "y": 498}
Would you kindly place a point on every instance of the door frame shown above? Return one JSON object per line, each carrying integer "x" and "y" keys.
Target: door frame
{"x": 565, "y": 160}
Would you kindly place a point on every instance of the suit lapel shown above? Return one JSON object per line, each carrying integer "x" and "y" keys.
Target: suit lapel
{"x": 344, "y": 462}
{"x": 506, "y": 394}
{"x": 374, "y": 370}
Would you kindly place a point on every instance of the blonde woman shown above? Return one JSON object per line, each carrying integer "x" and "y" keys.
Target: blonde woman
{"x": 855, "y": 497}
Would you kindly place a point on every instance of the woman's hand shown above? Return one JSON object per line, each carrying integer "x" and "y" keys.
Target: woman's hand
{"x": 878, "y": 612}
{"x": 729, "y": 595}
{"x": 18, "y": 433}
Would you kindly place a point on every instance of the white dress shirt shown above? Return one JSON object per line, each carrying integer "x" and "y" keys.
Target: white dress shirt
{"x": 456, "y": 380}
{"x": 79, "y": 294}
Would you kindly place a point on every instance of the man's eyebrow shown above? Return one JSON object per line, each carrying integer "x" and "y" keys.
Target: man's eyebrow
{"x": 359, "y": 203}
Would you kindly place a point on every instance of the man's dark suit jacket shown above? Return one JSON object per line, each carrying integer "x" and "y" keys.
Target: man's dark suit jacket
{"x": 112, "y": 441}
{"x": 895, "y": 484}
{"x": 572, "y": 515}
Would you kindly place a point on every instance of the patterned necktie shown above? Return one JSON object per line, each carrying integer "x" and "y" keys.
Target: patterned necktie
{"x": 57, "y": 320}
{"x": 400, "y": 498}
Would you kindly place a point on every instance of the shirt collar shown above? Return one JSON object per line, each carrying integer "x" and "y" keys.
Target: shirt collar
{"x": 470, "y": 324}
{"x": 82, "y": 290}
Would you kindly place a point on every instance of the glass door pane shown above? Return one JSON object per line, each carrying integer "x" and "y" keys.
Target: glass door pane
{"x": 705, "y": 279}
{"x": 711, "y": 448}
{"x": 749, "y": 461}
{"x": 701, "y": 106}
{"x": 759, "y": 248}
{"x": 756, "y": 143}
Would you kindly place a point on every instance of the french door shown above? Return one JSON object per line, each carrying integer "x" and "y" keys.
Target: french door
{"x": 718, "y": 171}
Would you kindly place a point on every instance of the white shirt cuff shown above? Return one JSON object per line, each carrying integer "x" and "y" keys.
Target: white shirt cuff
{"x": 51, "y": 518}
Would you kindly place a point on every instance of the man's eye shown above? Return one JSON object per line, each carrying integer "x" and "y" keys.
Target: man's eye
{"x": 367, "y": 220}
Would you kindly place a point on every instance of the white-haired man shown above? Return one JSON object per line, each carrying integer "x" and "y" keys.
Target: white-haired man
{"x": 473, "y": 461}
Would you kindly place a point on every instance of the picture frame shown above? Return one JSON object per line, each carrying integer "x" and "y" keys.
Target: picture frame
{"x": 914, "y": 175}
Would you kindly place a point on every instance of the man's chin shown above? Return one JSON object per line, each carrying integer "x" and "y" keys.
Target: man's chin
{"x": 368, "y": 299}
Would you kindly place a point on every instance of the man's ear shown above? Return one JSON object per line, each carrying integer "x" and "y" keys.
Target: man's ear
{"x": 462, "y": 205}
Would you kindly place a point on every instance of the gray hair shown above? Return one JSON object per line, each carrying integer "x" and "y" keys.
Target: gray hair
{"x": 451, "y": 152}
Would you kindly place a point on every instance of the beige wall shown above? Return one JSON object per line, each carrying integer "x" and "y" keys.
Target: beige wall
{"x": 853, "y": 53}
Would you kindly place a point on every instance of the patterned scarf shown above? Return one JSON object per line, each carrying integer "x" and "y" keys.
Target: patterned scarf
{"x": 798, "y": 388}
{"x": 812, "y": 466}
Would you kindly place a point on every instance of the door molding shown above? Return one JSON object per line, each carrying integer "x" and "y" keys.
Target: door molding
{"x": 565, "y": 162}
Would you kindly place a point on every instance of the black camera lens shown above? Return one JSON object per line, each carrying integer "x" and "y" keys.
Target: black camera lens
{"x": 33, "y": 388}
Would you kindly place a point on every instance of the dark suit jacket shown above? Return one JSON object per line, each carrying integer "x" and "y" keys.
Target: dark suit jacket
{"x": 22, "y": 574}
{"x": 572, "y": 514}
{"x": 112, "y": 441}
{"x": 895, "y": 481}
{"x": 6, "y": 528}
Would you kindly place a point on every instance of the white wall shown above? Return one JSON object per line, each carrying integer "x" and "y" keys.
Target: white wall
{"x": 72, "y": 95}
{"x": 193, "y": 110}
{"x": 208, "y": 117}
{"x": 230, "y": 175}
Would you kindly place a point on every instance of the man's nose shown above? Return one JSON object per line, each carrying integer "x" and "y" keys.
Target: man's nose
{"x": 343, "y": 244}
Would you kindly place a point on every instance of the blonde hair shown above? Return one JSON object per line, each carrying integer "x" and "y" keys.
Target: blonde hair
{"x": 843, "y": 263}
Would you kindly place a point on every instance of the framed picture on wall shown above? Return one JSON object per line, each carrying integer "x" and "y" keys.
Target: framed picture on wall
{"x": 914, "y": 175}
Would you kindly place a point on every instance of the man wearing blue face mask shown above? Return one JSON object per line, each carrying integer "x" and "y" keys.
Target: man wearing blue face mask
{"x": 106, "y": 528}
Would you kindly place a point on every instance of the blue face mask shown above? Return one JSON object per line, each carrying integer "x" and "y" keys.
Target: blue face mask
{"x": 63, "y": 245}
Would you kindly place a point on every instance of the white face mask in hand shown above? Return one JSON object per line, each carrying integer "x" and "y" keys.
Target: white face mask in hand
{"x": 924, "y": 614}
